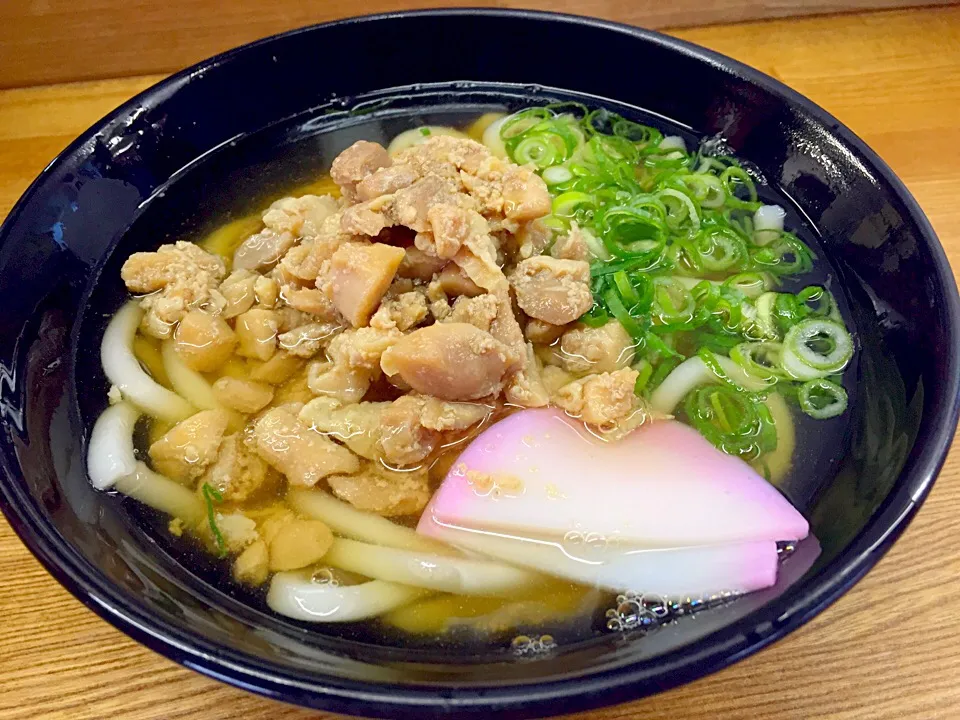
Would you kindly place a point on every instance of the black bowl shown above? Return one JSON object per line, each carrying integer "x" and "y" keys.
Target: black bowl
{"x": 195, "y": 145}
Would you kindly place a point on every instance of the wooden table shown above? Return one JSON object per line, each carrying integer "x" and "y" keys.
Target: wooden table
{"x": 889, "y": 649}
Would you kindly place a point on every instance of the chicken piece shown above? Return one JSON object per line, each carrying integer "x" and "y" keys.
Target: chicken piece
{"x": 477, "y": 311}
{"x": 299, "y": 543}
{"x": 239, "y": 292}
{"x": 444, "y": 155}
{"x": 294, "y": 390}
{"x": 412, "y": 427}
{"x": 405, "y": 311}
{"x": 532, "y": 238}
{"x": 357, "y": 426}
{"x": 179, "y": 278}
{"x": 452, "y": 361}
{"x": 607, "y": 348}
{"x": 555, "y": 291}
{"x": 252, "y": 565}
{"x": 386, "y": 181}
{"x": 403, "y": 438}
{"x": 257, "y": 331}
{"x": 418, "y": 265}
{"x": 237, "y": 530}
{"x": 450, "y": 227}
{"x": 302, "y": 216}
{"x": 303, "y": 262}
{"x": 203, "y": 341}
{"x": 148, "y": 272}
{"x": 486, "y": 188}
{"x": 506, "y": 329}
{"x": 451, "y": 416}
{"x": 267, "y": 291}
{"x": 273, "y": 520}
{"x": 454, "y": 282}
{"x": 263, "y": 250}
{"x": 361, "y": 159}
{"x": 278, "y": 369}
{"x": 384, "y": 492}
{"x": 363, "y": 219}
{"x": 244, "y": 396}
{"x": 338, "y": 382}
{"x": 478, "y": 260}
{"x": 307, "y": 340}
{"x": 362, "y": 347}
{"x": 358, "y": 277}
{"x": 399, "y": 286}
{"x": 525, "y": 195}
{"x": 543, "y": 333}
{"x": 572, "y": 246}
{"x": 185, "y": 451}
{"x": 554, "y": 378}
{"x": 303, "y": 455}
{"x": 411, "y": 205}
{"x": 289, "y": 318}
{"x": 311, "y": 301}
{"x": 439, "y": 303}
{"x": 526, "y": 387}
{"x": 237, "y": 472}
{"x": 606, "y": 401}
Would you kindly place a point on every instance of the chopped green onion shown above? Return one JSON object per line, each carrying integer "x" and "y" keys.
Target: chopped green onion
{"x": 760, "y": 359}
{"x": 672, "y": 302}
{"x": 213, "y": 496}
{"x": 688, "y": 259}
{"x": 752, "y": 284}
{"x": 566, "y": 205}
{"x": 822, "y": 399}
{"x": 557, "y": 175}
{"x": 815, "y": 348}
{"x": 734, "y": 421}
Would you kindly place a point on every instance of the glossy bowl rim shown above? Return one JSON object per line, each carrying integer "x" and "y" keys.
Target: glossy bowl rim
{"x": 702, "y": 657}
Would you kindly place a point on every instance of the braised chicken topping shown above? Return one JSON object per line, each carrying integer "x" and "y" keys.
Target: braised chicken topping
{"x": 353, "y": 342}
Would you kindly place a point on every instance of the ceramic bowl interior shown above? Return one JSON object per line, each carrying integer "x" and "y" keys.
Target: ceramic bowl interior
{"x": 209, "y": 142}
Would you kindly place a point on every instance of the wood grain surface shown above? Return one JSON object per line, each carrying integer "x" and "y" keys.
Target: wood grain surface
{"x": 46, "y": 41}
{"x": 889, "y": 649}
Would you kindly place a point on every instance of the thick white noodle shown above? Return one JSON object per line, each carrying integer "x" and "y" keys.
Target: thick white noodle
{"x": 110, "y": 452}
{"x": 186, "y": 381}
{"x": 345, "y": 520}
{"x": 692, "y": 373}
{"x": 123, "y": 369}
{"x": 163, "y": 494}
{"x": 462, "y": 576}
{"x": 112, "y": 464}
{"x": 491, "y": 138}
{"x": 767, "y": 224}
{"x": 295, "y": 595}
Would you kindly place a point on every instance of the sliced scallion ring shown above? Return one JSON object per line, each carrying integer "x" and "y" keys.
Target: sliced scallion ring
{"x": 557, "y": 175}
{"x": 672, "y": 301}
{"x": 761, "y": 359}
{"x": 751, "y": 284}
{"x": 822, "y": 399}
{"x": 719, "y": 251}
{"x": 815, "y": 348}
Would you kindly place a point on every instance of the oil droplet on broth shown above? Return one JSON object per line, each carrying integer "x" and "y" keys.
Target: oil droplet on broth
{"x": 524, "y": 645}
{"x": 324, "y": 576}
